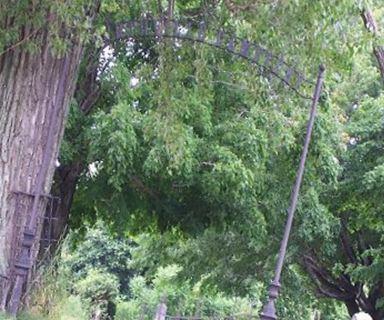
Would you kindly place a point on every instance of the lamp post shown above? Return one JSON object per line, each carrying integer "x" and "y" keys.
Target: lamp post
{"x": 269, "y": 310}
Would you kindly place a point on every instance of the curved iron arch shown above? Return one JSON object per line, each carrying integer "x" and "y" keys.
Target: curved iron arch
{"x": 268, "y": 63}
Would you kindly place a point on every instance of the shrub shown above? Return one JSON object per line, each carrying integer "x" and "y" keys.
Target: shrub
{"x": 71, "y": 308}
{"x": 180, "y": 297}
{"x": 99, "y": 289}
{"x": 99, "y": 250}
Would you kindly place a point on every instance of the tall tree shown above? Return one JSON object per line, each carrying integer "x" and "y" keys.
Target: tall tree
{"x": 203, "y": 153}
{"x": 352, "y": 271}
{"x": 93, "y": 93}
{"x": 41, "y": 48}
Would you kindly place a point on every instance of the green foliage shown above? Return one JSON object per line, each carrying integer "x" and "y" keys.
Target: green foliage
{"x": 225, "y": 264}
{"x": 120, "y": 146}
{"x": 52, "y": 296}
{"x": 99, "y": 289}
{"x": 213, "y": 160}
{"x": 183, "y": 298}
{"x": 4, "y": 316}
{"x": 360, "y": 200}
{"x": 70, "y": 307}
{"x": 197, "y": 159}
{"x": 31, "y": 19}
{"x": 101, "y": 251}
{"x": 98, "y": 286}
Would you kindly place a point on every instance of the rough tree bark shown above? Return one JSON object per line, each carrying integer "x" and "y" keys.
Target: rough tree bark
{"x": 36, "y": 89}
{"x": 66, "y": 176}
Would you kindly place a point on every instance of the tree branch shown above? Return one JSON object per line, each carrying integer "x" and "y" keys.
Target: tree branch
{"x": 378, "y": 51}
{"x": 326, "y": 284}
{"x": 346, "y": 243}
{"x": 367, "y": 261}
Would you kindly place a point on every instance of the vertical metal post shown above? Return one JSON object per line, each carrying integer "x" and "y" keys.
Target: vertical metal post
{"x": 161, "y": 312}
{"x": 269, "y": 310}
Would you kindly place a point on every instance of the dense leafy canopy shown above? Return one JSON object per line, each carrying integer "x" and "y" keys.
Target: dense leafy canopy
{"x": 191, "y": 153}
{"x": 193, "y": 141}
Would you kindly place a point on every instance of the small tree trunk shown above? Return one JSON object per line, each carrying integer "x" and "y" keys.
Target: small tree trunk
{"x": 379, "y": 54}
{"x": 68, "y": 176}
{"x": 378, "y": 51}
{"x": 317, "y": 315}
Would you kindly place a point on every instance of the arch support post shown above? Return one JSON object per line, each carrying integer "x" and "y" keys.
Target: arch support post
{"x": 161, "y": 311}
{"x": 269, "y": 310}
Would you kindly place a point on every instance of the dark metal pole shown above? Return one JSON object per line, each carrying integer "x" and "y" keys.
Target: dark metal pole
{"x": 269, "y": 310}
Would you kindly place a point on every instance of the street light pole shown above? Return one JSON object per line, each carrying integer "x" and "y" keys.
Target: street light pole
{"x": 269, "y": 310}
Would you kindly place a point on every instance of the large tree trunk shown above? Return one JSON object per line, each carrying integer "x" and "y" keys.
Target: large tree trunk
{"x": 66, "y": 176}
{"x": 36, "y": 89}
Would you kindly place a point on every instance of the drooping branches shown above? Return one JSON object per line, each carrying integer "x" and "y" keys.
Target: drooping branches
{"x": 356, "y": 295}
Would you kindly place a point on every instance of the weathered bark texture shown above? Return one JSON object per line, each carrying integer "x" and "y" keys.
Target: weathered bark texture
{"x": 35, "y": 93}
{"x": 378, "y": 51}
{"x": 66, "y": 176}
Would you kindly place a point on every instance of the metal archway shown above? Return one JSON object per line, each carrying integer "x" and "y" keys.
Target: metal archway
{"x": 269, "y": 65}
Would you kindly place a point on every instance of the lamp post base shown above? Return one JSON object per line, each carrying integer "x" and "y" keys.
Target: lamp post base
{"x": 269, "y": 310}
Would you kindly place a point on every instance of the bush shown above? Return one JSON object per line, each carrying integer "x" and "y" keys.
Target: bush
{"x": 180, "y": 297}
{"x": 71, "y": 308}
{"x": 51, "y": 297}
{"x": 3, "y": 316}
{"x": 99, "y": 250}
{"x": 99, "y": 289}
{"x": 129, "y": 310}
